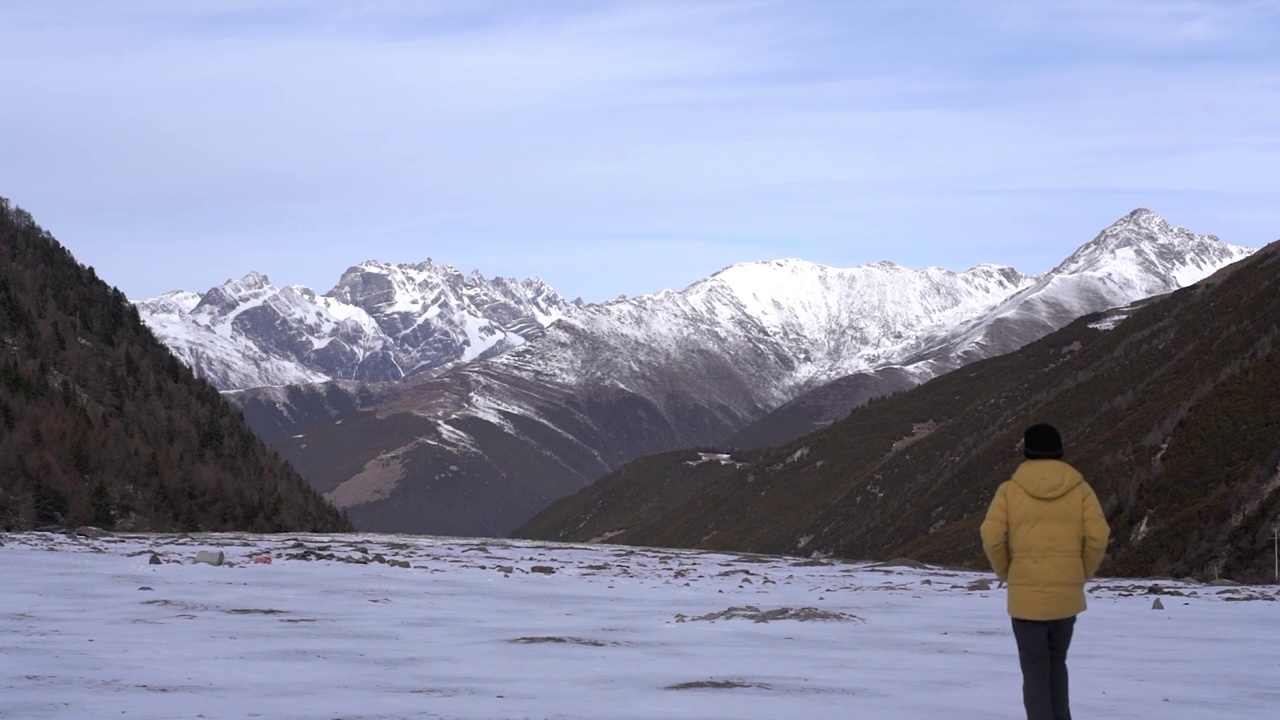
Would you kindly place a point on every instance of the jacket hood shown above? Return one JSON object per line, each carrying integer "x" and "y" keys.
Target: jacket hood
{"x": 1047, "y": 479}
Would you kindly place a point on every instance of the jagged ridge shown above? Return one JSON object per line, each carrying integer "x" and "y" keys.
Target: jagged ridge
{"x": 380, "y": 322}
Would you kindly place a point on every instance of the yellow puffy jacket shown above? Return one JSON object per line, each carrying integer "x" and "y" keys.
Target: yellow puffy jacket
{"x": 1045, "y": 534}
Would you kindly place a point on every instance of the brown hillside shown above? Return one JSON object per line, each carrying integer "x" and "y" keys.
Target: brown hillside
{"x": 100, "y": 424}
{"x": 632, "y": 496}
{"x": 1173, "y": 416}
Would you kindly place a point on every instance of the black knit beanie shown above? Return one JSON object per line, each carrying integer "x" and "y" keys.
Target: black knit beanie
{"x": 1042, "y": 442}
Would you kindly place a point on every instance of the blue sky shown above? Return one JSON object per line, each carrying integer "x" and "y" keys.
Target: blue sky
{"x": 625, "y": 147}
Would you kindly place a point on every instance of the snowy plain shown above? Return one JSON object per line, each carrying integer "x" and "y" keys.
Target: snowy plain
{"x": 338, "y": 627}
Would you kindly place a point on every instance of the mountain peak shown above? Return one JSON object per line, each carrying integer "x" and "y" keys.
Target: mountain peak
{"x": 379, "y": 322}
{"x": 234, "y": 292}
{"x": 252, "y": 280}
{"x": 1140, "y": 214}
{"x": 1144, "y": 239}
{"x": 1141, "y": 220}
{"x": 174, "y": 302}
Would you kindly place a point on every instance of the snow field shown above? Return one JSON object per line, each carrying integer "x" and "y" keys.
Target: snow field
{"x": 472, "y": 630}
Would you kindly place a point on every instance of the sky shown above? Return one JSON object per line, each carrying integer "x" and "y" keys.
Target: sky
{"x": 620, "y": 148}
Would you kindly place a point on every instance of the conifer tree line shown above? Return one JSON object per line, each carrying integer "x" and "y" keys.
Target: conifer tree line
{"x": 100, "y": 424}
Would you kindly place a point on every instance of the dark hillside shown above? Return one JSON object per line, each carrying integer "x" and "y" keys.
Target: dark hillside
{"x": 100, "y": 424}
{"x": 1173, "y": 416}
{"x": 638, "y": 491}
{"x": 820, "y": 407}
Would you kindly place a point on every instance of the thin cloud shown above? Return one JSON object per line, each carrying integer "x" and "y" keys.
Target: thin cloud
{"x": 297, "y": 138}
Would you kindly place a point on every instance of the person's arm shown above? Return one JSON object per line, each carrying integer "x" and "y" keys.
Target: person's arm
{"x": 995, "y": 534}
{"x": 1096, "y": 533}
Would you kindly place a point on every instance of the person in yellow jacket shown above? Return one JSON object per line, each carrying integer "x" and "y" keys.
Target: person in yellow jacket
{"x": 1045, "y": 534}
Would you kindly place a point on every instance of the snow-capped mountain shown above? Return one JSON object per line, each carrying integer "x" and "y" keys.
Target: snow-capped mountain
{"x": 1139, "y": 256}
{"x": 484, "y": 446}
{"x": 767, "y": 328}
{"x": 225, "y": 358}
{"x": 380, "y": 322}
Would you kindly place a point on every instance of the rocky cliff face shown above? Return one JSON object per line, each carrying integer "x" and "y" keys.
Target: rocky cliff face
{"x": 379, "y": 323}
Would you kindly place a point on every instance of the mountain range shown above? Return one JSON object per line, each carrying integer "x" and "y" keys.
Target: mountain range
{"x": 381, "y": 322}
{"x": 765, "y": 351}
{"x": 1169, "y": 407}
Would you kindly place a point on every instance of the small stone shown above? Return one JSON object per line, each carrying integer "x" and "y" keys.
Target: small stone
{"x": 903, "y": 562}
{"x": 544, "y": 569}
{"x": 1157, "y": 605}
{"x": 155, "y": 560}
{"x": 211, "y": 557}
{"x": 926, "y": 581}
{"x": 146, "y": 587}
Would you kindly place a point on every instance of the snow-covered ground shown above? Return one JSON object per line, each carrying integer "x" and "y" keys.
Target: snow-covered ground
{"x": 92, "y": 629}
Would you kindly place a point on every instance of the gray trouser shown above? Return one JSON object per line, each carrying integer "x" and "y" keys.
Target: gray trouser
{"x": 1042, "y": 651}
